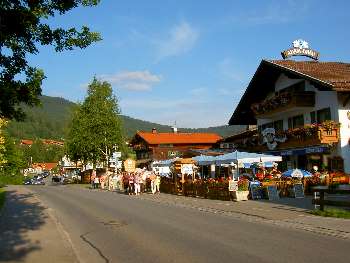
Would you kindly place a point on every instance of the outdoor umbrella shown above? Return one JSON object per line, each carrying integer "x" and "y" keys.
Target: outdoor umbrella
{"x": 296, "y": 173}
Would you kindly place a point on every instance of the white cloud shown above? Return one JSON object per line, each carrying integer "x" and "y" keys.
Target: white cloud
{"x": 180, "y": 40}
{"x": 133, "y": 80}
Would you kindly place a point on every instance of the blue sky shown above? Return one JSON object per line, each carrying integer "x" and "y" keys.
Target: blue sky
{"x": 188, "y": 61}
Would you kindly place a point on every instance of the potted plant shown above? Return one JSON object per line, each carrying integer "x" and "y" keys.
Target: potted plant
{"x": 243, "y": 190}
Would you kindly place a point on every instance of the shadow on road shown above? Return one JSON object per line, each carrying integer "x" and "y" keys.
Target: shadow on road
{"x": 22, "y": 213}
{"x": 291, "y": 204}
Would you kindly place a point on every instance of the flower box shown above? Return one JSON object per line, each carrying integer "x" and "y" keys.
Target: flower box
{"x": 240, "y": 195}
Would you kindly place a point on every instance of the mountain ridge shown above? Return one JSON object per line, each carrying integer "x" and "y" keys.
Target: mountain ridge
{"x": 50, "y": 121}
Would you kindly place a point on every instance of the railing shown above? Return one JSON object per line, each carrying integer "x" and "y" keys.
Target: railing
{"x": 201, "y": 189}
{"x": 312, "y": 135}
{"x": 321, "y": 201}
{"x": 284, "y": 101}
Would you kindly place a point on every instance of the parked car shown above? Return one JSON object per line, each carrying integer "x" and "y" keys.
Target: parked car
{"x": 34, "y": 181}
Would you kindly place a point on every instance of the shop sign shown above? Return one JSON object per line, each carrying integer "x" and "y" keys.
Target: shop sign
{"x": 303, "y": 151}
{"x": 300, "y": 48}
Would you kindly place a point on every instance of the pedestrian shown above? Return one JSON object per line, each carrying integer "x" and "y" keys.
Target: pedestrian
{"x": 143, "y": 181}
{"x": 96, "y": 182}
{"x": 131, "y": 184}
{"x": 153, "y": 182}
{"x": 126, "y": 182}
{"x": 137, "y": 186}
{"x": 157, "y": 182}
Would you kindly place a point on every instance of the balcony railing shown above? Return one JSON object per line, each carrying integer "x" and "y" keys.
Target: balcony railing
{"x": 326, "y": 133}
{"x": 284, "y": 101}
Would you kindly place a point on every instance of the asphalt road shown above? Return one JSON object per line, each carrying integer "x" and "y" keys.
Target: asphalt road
{"x": 112, "y": 227}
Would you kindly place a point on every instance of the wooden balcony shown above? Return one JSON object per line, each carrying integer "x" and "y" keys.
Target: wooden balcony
{"x": 284, "y": 102}
{"x": 296, "y": 138}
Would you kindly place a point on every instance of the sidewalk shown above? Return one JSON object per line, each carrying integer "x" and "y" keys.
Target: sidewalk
{"x": 29, "y": 232}
{"x": 286, "y": 212}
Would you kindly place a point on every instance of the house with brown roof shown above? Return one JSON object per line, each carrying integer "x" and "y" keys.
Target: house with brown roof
{"x": 150, "y": 146}
{"x": 302, "y": 111}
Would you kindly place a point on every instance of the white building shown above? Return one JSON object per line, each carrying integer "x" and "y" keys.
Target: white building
{"x": 302, "y": 101}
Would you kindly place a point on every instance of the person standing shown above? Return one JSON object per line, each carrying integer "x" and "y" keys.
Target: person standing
{"x": 126, "y": 182}
{"x": 96, "y": 182}
{"x": 137, "y": 185}
{"x": 157, "y": 182}
{"x": 131, "y": 184}
{"x": 153, "y": 182}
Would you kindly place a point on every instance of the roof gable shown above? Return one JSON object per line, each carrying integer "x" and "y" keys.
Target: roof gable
{"x": 323, "y": 75}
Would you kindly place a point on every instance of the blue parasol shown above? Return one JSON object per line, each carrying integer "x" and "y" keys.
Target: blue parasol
{"x": 299, "y": 173}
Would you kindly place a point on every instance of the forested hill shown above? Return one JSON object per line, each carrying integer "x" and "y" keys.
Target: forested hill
{"x": 50, "y": 121}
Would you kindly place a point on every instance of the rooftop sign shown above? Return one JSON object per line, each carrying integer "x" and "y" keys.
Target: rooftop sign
{"x": 300, "y": 48}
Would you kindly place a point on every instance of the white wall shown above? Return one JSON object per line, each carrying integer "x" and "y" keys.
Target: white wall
{"x": 283, "y": 82}
{"x": 344, "y": 146}
{"x": 323, "y": 99}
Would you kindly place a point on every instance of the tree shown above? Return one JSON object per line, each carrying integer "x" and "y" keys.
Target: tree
{"x": 3, "y": 160}
{"x": 14, "y": 157}
{"x": 96, "y": 127}
{"x": 23, "y": 27}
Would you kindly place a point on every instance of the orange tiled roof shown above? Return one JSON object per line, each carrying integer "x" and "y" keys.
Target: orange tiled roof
{"x": 45, "y": 166}
{"x": 335, "y": 73}
{"x": 26, "y": 142}
{"x": 179, "y": 138}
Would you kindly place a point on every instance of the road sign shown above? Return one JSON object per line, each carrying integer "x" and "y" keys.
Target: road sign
{"x": 116, "y": 155}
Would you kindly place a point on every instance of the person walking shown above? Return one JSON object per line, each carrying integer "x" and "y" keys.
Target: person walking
{"x": 126, "y": 182}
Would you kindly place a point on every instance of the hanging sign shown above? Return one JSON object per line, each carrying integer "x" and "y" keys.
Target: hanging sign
{"x": 300, "y": 48}
{"x": 129, "y": 165}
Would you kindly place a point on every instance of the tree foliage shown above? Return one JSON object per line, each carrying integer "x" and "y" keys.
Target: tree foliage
{"x": 39, "y": 152}
{"x": 96, "y": 127}
{"x": 23, "y": 26}
{"x": 3, "y": 124}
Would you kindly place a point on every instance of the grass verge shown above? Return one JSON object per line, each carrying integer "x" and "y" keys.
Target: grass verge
{"x": 2, "y": 197}
{"x": 332, "y": 212}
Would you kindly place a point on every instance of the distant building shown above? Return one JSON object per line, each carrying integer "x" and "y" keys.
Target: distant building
{"x": 151, "y": 146}
{"x": 302, "y": 111}
{"x": 40, "y": 167}
{"x": 44, "y": 141}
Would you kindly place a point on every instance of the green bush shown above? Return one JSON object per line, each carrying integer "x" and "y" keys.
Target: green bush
{"x": 2, "y": 197}
{"x": 332, "y": 212}
{"x": 11, "y": 179}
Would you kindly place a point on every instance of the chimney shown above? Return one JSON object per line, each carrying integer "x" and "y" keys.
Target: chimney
{"x": 154, "y": 130}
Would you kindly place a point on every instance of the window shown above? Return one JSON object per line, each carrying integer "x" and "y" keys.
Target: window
{"x": 165, "y": 145}
{"x": 313, "y": 116}
{"x": 264, "y": 126}
{"x": 323, "y": 115}
{"x": 278, "y": 125}
{"x": 296, "y": 122}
